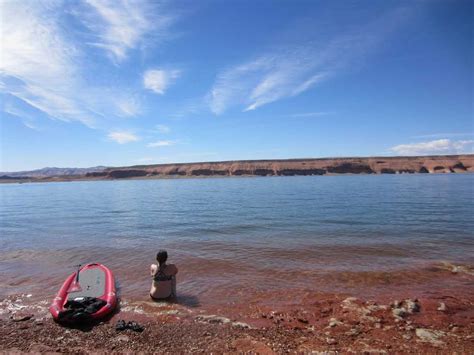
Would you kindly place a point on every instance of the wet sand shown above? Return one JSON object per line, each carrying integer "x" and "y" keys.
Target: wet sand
{"x": 394, "y": 315}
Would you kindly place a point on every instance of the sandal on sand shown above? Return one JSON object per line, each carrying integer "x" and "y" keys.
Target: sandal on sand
{"x": 135, "y": 327}
{"x": 121, "y": 325}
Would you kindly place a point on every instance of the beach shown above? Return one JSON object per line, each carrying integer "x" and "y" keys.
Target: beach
{"x": 409, "y": 321}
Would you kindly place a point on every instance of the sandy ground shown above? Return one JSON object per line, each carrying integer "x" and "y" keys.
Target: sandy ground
{"x": 438, "y": 318}
{"x": 327, "y": 323}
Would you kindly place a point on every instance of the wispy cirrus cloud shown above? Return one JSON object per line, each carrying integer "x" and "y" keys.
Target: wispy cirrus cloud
{"x": 261, "y": 81}
{"x": 292, "y": 69}
{"x": 128, "y": 107}
{"x": 122, "y": 25}
{"x": 440, "y": 146}
{"x": 158, "y": 80}
{"x": 123, "y": 137}
{"x": 37, "y": 64}
{"x": 44, "y": 59}
{"x": 27, "y": 120}
{"x": 164, "y": 143}
{"x": 163, "y": 129}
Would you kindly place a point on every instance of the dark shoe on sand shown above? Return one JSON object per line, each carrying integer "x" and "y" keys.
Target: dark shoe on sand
{"x": 135, "y": 327}
{"x": 121, "y": 325}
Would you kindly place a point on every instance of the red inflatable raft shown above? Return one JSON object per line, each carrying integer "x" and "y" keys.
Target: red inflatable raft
{"x": 91, "y": 280}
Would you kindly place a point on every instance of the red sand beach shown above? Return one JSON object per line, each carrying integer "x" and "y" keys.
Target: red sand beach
{"x": 391, "y": 313}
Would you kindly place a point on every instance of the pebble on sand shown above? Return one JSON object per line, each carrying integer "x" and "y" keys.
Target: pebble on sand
{"x": 430, "y": 336}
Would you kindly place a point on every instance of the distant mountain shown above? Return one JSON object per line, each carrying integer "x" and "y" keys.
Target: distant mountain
{"x": 47, "y": 172}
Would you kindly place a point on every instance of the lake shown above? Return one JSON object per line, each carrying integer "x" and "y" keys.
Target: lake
{"x": 234, "y": 238}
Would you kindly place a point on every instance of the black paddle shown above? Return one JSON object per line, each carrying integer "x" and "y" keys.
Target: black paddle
{"x": 75, "y": 287}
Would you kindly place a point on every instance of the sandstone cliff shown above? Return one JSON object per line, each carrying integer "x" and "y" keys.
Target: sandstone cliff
{"x": 291, "y": 167}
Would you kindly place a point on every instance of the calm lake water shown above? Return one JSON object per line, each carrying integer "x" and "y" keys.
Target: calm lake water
{"x": 228, "y": 234}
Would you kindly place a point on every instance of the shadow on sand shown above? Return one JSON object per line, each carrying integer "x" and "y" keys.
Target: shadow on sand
{"x": 182, "y": 300}
{"x": 186, "y": 300}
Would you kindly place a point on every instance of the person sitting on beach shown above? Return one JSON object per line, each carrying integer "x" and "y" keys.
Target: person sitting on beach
{"x": 164, "y": 278}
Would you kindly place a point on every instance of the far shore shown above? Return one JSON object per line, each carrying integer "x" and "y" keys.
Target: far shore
{"x": 439, "y": 164}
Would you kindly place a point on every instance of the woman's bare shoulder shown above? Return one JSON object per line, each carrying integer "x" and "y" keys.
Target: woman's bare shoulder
{"x": 172, "y": 269}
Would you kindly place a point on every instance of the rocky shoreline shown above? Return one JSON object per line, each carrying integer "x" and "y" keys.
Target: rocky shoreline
{"x": 329, "y": 324}
{"x": 290, "y": 167}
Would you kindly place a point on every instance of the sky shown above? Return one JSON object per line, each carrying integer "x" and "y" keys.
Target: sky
{"x": 115, "y": 82}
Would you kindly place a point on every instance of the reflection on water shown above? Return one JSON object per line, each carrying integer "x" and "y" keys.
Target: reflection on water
{"x": 233, "y": 238}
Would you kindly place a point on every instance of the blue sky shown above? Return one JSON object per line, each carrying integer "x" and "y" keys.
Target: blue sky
{"x": 96, "y": 82}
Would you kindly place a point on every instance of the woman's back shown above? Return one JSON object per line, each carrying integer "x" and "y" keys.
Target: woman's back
{"x": 164, "y": 281}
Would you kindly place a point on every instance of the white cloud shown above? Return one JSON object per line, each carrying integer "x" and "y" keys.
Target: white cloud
{"x": 440, "y": 146}
{"x": 121, "y": 25}
{"x": 123, "y": 137}
{"x": 31, "y": 37}
{"x": 267, "y": 79}
{"x": 161, "y": 128}
{"x": 128, "y": 107}
{"x": 27, "y": 120}
{"x": 37, "y": 61}
{"x": 158, "y": 80}
{"x": 42, "y": 64}
{"x": 161, "y": 144}
{"x": 296, "y": 66}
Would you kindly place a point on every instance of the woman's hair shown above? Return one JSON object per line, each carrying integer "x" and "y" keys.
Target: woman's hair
{"x": 162, "y": 256}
